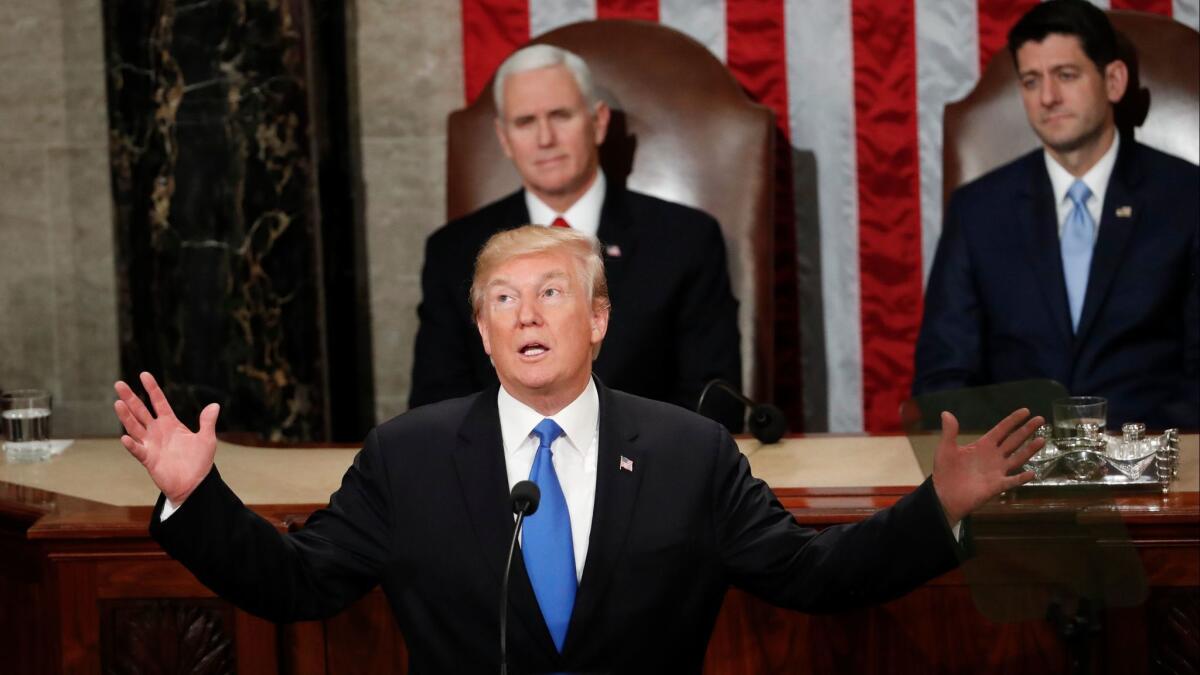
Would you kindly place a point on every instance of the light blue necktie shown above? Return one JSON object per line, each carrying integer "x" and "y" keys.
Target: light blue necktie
{"x": 1078, "y": 238}
{"x": 547, "y": 545}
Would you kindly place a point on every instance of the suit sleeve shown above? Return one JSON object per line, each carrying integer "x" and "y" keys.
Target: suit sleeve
{"x": 765, "y": 551}
{"x": 707, "y": 345}
{"x": 442, "y": 354}
{"x": 949, "y": 352}
{"x": 310, "y": 574}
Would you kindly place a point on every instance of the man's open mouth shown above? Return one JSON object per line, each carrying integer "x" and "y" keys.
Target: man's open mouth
{"x": 533, "y": 349}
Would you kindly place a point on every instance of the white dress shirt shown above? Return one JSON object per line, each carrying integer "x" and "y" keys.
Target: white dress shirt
{"x": 574, "y": 455}
{"x": 1096, "y": 179}
{"x": 583, "y": 215}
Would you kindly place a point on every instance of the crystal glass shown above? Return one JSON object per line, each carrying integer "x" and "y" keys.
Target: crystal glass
{"x": 1071, "y": 412}
{"x": 1134, "y": 453}
{"x": 1042, "y": 464}
{"x": 26, "y": 417}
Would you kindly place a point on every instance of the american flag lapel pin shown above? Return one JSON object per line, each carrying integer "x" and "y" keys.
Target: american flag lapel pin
{"x": 1124, "y": 211}
{"x": 626, "y": 464}
{"x": 613, "y": 251}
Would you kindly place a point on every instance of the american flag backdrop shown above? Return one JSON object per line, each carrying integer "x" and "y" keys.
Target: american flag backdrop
{"x": 857, "y": 86}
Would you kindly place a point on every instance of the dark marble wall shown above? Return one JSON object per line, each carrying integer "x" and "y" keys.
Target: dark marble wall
{"x": 217, "y": 217}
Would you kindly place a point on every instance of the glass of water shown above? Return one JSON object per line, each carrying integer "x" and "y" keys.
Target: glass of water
{"x": 1071, "y": 412}
{"x": 26, "y": 417}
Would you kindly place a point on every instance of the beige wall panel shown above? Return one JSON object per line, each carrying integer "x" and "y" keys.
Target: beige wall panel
{"x": 409, "y": 62}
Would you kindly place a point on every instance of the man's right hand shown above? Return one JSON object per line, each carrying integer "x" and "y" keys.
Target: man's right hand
{"x": 176, "y": 458}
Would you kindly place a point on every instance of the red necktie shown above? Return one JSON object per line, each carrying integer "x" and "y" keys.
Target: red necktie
{"x": 559, "y": 222}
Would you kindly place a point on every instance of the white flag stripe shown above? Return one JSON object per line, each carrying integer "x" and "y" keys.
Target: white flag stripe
{"x": 947, "y": 68}
{"x": 820, "y": 65}
{"x": 546, "y": 15}
{"x": 1187, "y": 12}
{"x": 703, "y": 20}
{"x": 1102, "y": 4}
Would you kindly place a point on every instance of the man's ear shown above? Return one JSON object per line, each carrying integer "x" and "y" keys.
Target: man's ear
{"x": 1116, "y": 79}
{"x": 500, "y": 136}
{"x": 483, "y": 335}
{"x": 599, "y": 323}
{"x": 602, "y": 115}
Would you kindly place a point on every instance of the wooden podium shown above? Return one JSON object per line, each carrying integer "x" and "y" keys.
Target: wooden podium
{"x": 1102, "y": 582}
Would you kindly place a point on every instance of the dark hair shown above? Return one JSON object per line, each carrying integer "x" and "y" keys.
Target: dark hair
{"x": 1067, "y": 17}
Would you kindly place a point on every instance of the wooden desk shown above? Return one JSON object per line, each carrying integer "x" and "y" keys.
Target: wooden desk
{"x": 84, "y": 590}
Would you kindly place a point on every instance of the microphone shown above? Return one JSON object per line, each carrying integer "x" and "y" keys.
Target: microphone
{"x": 766, "y": 422}
{"x": 524, "y": 500}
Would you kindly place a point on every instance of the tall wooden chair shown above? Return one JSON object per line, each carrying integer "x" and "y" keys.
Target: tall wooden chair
{"x": 682, "y": 130}
{"x": 988, "y": 127}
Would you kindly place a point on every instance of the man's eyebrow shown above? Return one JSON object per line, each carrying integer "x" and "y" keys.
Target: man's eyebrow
{"x": 552, "y": 274}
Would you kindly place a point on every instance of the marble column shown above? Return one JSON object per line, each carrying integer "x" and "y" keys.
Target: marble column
{"x": 217, "y": 221}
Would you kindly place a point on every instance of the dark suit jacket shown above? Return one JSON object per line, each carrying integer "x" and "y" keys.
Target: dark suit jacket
{"x": 996, "y": 304}
{"x": 673, "y": 325}
{"x": 424, "y": 511}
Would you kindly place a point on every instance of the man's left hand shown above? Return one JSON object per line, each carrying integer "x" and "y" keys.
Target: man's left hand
{"x": 965, "y": 477}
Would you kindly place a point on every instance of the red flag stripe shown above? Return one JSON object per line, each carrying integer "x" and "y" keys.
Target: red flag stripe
{"x": 491, "y": 30}
{"x": 885, "y": 103}
{"x": 646, "y": 10}
{"x": 1163, "y": 7}
{"x": 996, "y": 17}
{"x": 756, "y": 54}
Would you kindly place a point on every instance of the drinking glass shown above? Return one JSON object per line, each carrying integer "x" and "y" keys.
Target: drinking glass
{"x": 26, "y": 420}
{"x": 1073, "y": 411}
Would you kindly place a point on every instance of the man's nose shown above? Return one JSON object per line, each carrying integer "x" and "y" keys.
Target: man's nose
{"x": 545, "y": 133}
{"x": 528, "y": 314}
{"x": 1049, "y": 92}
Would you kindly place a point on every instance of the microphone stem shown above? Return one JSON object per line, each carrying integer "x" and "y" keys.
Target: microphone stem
{"x": 721, "y": 384}
{"x": 512, "y": 547}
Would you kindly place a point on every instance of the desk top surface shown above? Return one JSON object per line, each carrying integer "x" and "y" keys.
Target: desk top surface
{"x": 100, "y": 470}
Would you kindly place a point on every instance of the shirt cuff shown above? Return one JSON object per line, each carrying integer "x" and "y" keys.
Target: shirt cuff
{"x": 169, "y": 507}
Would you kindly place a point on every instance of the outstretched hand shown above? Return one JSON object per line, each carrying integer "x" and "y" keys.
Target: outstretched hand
{"x": 176, "y": 458}
{"x": 965, "y": 477}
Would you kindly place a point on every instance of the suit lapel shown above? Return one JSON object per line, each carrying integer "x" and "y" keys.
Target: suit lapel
{"x": 616, "y": 496}
{"x": 617, "y": 237}
{"x": 483, "y": 481}
{"x": 516, "y": 213}
{"x": 1039, "y": 225}
{"x": 1118, "y": 219}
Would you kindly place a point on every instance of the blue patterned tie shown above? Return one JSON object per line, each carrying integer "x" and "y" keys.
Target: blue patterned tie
{"x": 1078, "y": 237}
{"x": 547, "y": 546}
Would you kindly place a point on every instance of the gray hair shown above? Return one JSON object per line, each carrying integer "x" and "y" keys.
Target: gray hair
{"x": 544, "y": 56}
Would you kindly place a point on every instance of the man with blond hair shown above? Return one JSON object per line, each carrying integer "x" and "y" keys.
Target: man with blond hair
{"x": 647, "y": 514}
{"x": 676, "y": 326}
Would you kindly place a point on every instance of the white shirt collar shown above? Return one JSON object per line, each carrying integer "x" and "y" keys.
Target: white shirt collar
{"x": 578, "y": 420}
{"x": 1096, "y": 179}
{"x": 583, "y": 215}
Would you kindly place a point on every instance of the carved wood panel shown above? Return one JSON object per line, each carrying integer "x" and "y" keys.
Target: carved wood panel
{"x": 148, "y": 637}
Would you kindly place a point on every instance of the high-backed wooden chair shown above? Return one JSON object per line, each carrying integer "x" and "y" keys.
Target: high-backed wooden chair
{"x": 988, "y": 127}
{"x": 682, "y": 130}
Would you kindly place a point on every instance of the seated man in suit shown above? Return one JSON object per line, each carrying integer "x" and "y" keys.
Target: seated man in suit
{"x": 675, "y": 327}
{"x": 1078, "y": 261}
{"x": 648, "y": 512}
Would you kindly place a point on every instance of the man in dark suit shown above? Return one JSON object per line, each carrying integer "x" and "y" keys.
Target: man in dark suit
{"x": 675, "y": 327}
{"x": 1077, "y": 262}
{"x": 648, "y": 512}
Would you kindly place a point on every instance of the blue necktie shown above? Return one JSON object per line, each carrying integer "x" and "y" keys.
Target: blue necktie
{"x": 1079, "y": 234}
{"x": 547, "y": 545}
